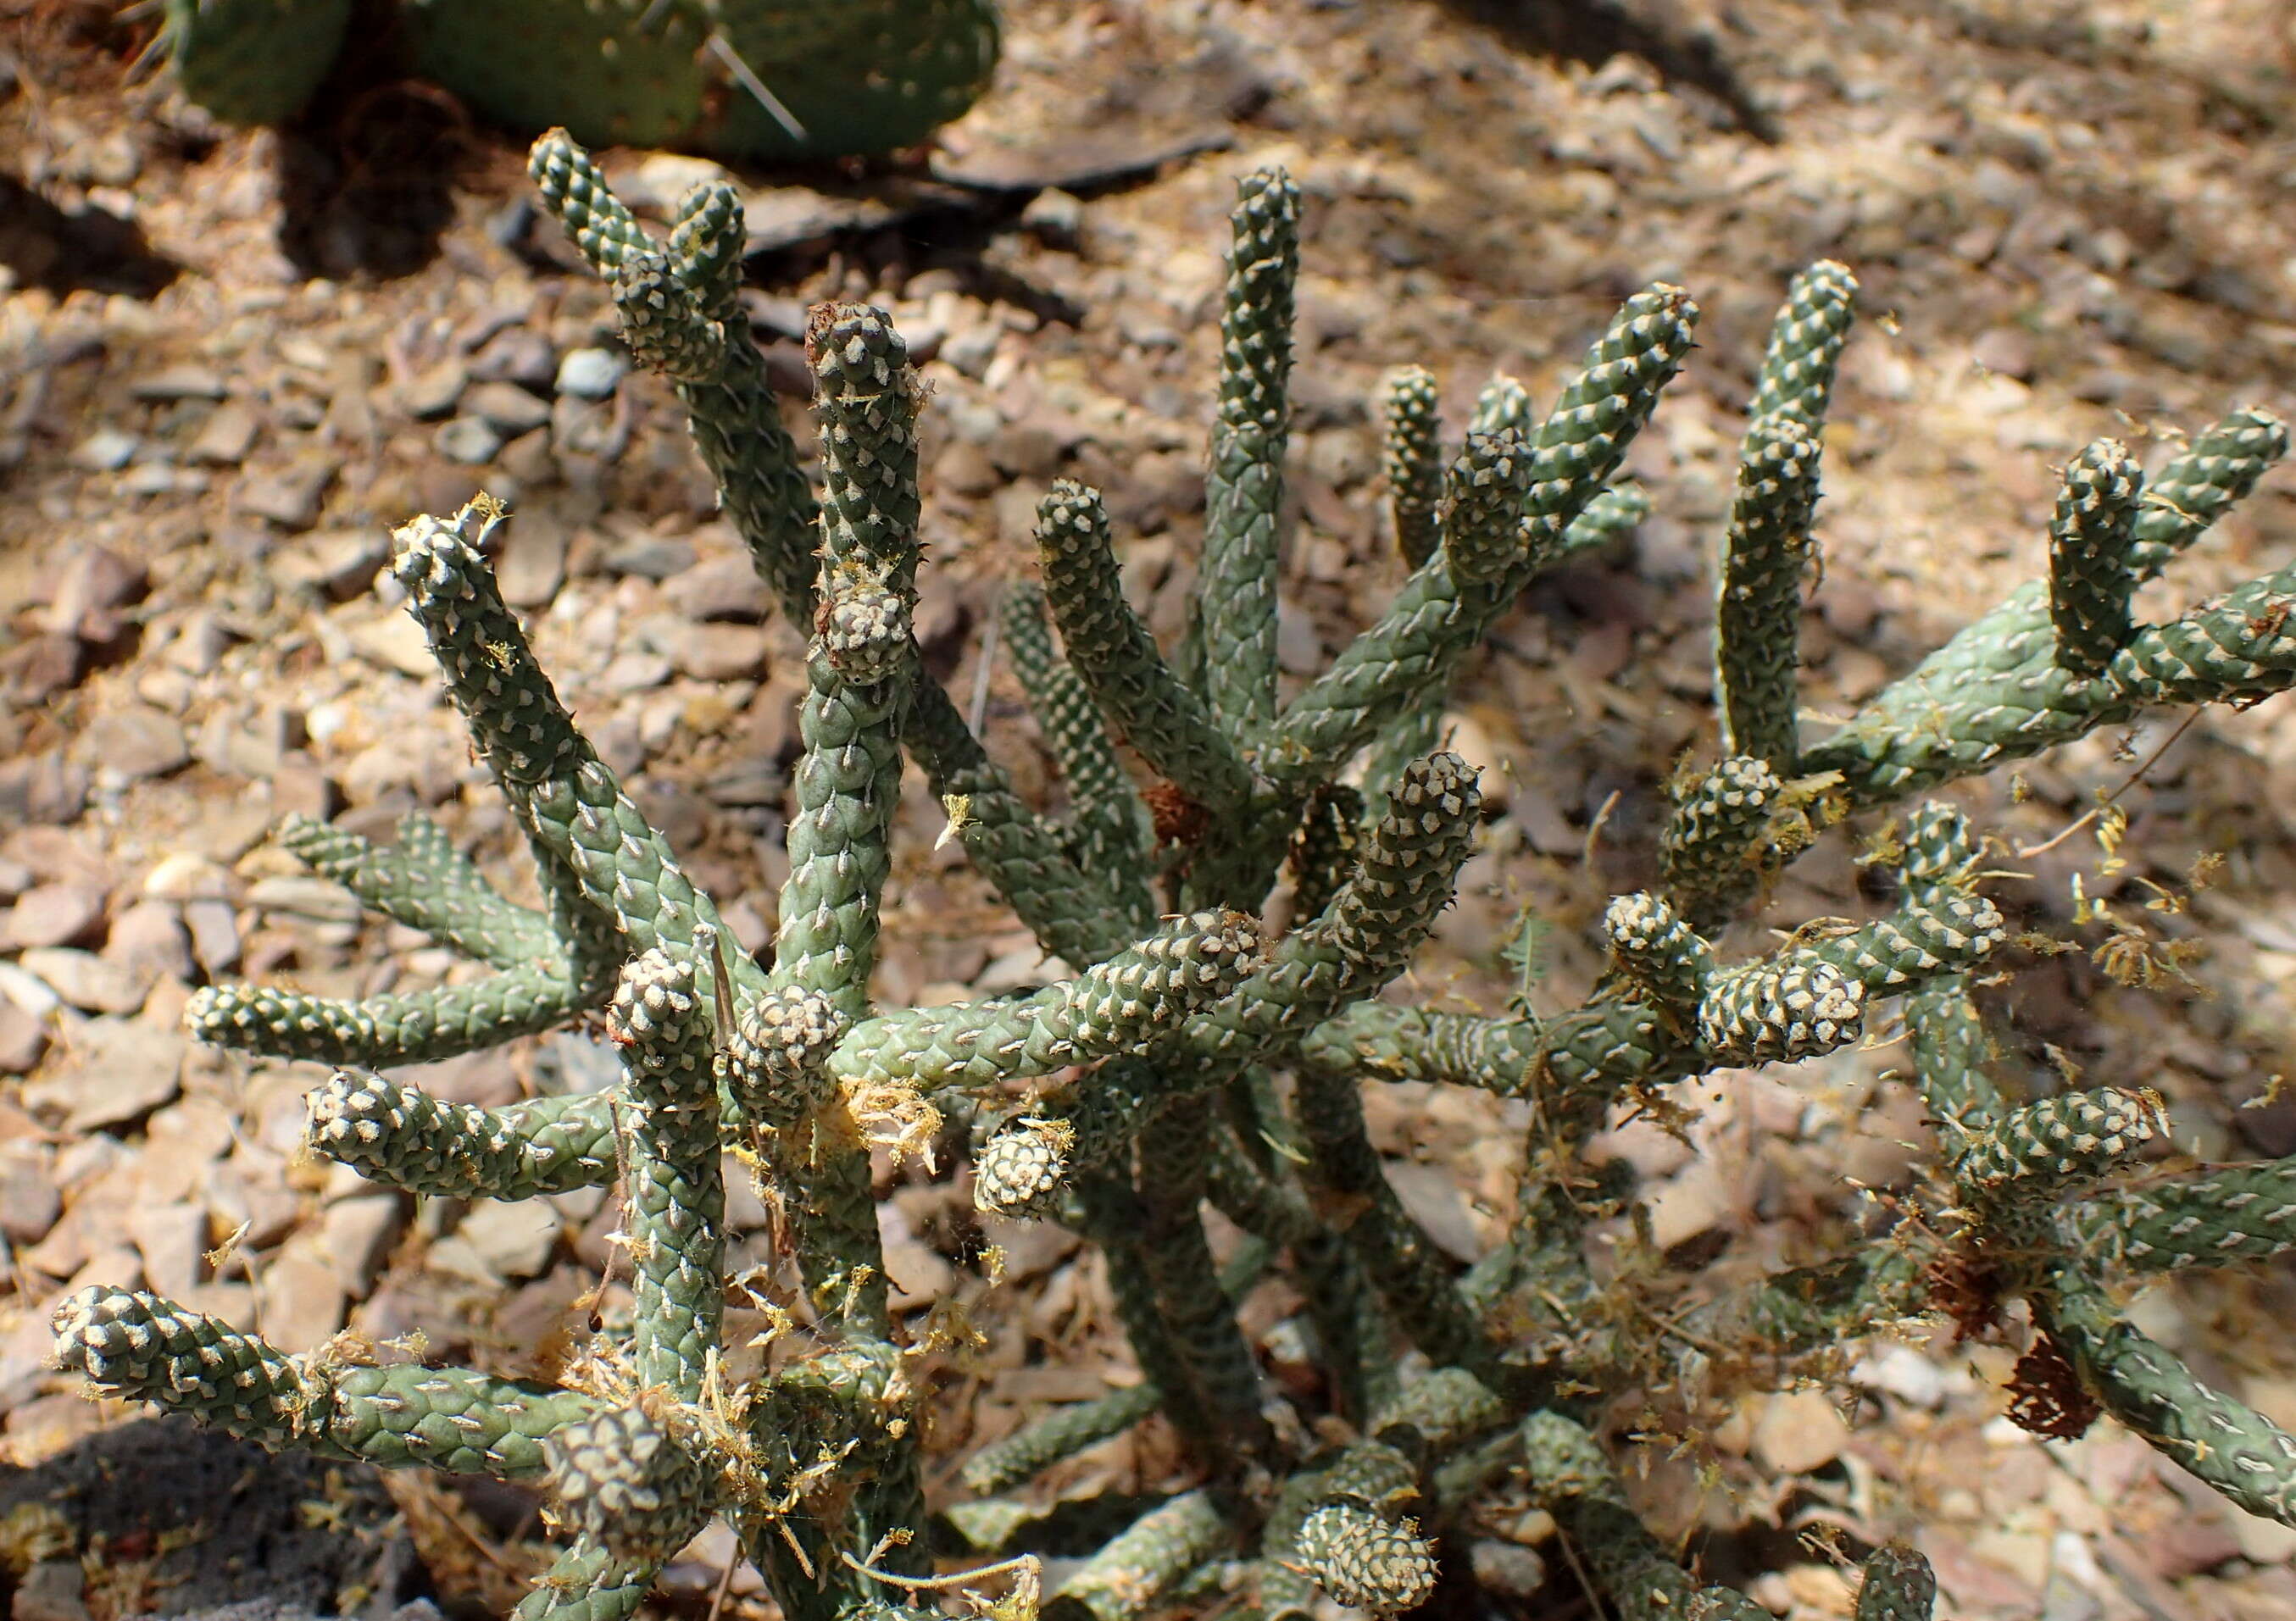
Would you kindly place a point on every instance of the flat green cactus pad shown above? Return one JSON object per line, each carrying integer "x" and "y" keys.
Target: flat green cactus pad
{"x": 253, "y": 62}
{"x": 738, "y": 79}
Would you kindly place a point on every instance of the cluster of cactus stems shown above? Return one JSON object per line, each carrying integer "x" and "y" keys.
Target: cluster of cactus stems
{"x": 1190, "y": 1060}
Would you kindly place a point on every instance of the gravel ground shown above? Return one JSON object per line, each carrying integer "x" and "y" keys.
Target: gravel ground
{"x": 229, "y": 361}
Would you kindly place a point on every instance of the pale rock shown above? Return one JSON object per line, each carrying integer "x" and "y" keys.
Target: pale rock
{"x": 137, "y": 742}
{"x": 226, "y": 437}
{"x": 1798, "y": 1431}
{"x": 27, "y": 992}
{"x": 514, "y": 1241}
{"x": 15, "y": 878}
{"x": 171, "y": 1239}
{"x": 720, "y": 652}
{"x": 306, "y": 895}
{"x": 29, "y": 1201}
{"x": 214, "y": 928}
{"x": 148, "y": 938}
{"x": 119, "y": 1070}
{"x": 1430, "y": 1195}
{"x": 55, "y": 914}
{"x": 591, "y": 373}
{"x": 53, "y": 1590}
{"x": 506, "y": 408}
{"x": 1696, "y": 1202}
{"x": 303, "y": 1303}
{"x": 395, "y": 642}
{"x": 1896, "y": 1369}
{"x": 22, "y": 1040}
{"x": 85, "y": 980}
{"x": 356, "y": 1235}
{"x": 186, "y": 877}
{"x": 291, "y": 496}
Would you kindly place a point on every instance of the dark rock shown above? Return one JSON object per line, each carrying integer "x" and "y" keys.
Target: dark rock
{"x": 45, "y": 788}
{"x": 506, "y": 408}
{"x": 519, "y": 355}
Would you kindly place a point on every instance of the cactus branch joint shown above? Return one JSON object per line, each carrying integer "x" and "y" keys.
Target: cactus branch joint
{"x": 1191, "y": 1057}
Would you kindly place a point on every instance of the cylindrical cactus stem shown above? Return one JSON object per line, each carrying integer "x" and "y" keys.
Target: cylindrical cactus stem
{"x": 1021, "y": 1170}
{"x": 1436, "y": 619}
{"x": 2202, "y": 482}
{"x": 588, "y": 1582}
{"x": 665, "y": 325}
{"x": 1412, "y": 406}
{"x": 736, "y": 421}
{"x": 1324, "y": 846}
{"x": 424, "y": 883}
{"x": 1715, "y": 852}
{"x": 2222, "y": 1216}
{"x": 1919, "y": 944}
{"x": 1481, "y": 514}
{"x": 1501, "y": 404}
{"x": 1244, "y": 485}
{"x": 1123, "y": 1581}
{"x": 622, "y": 1479}
{"x": 1365, "y": 1560}
{"x": 1806, "y": 342}
{"x": 1128, "y": 1004}
{"x": 1898, "y": 1585}
{"x": 575, "y": 192}
{"x": 594, "y": 839}
{"x": 1116, "y": 658}
{"x": 374, "y": 1031}
{"x": 1658, "y": 951}
{"x": 777, "y": 1058}
{"x": 2225, "y": 1443}
{"x": 866, "y": 395}
{"x": 1107, "y": 819}
{"x": 1779, "y": 1010}
{"x": 1757, "y": 601}
{"x": 2059, "y": 1142}
{"x": 706, "y": 244}
{"x": 1618, "y": 509}
{"x": 2091, "y": 576}
{"x": 403, "y": 1137}
{"x": 674, "y": 1217}
{"x": 1063, "y": 1433}
{"x": 140, "y": 1347}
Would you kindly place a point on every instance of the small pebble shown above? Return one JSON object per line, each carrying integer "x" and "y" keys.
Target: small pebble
{"x": 506, "y": 408}
{"x": 468, "y": 440}
{"x": 107, "y": 450}
{"x": 591, "y": 373}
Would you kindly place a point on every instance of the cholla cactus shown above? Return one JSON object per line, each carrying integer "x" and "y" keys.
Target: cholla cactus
{"x": 1121, "y": 1100}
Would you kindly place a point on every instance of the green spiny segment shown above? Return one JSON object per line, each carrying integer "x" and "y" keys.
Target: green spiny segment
{"x": 1109, "y": 829}
{"x": 252, "y": 61}
{"x": 1659, "y": 953}
{"x": 2229, "y": 1444}
{"x": 1125, "y": 1004}
{"x": 1067, "y": 1432}
{"x": 1716, "y": 849}
{"x": 1758, "y": 612}
{"x": 1899, "y": 1586}
{"x": 777, "y": 1058}
{"x": 729, "y": 404}
{"x": 1920, "y": 944}
{"x": 425, "y": 883}
{"x": 1795, "y": 1007}
{"x": 1413, "y": 452}
{"x": 1124, "y": 1580}
{"x": 621, "y": 1480}
{"x": 1483, "y": 494}
{"x": 2074, "y": 1137}
{"x": 1437, "y": 618}
{"x": 2091, "y": 577}
{"x": 1112, "y": 653}
{"x": 1503, "y": 404}
{"x": 1364, "y": 1560}
{"x": 130, "y": 1344}
{"x": 674, "y": 1216}
{"x": 1172, "y": 1063}
{"x": 1996, "y": 692}
{"x": 2223, "y": 1217}
{"x": 1806, "y": 342}
{"x": 403, "y": 1137}
{"x": 1243, "y": 487}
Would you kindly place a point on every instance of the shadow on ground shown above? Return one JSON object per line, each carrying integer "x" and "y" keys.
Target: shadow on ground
{"x": 163, "y": 1516}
